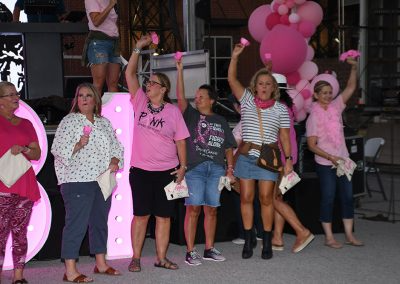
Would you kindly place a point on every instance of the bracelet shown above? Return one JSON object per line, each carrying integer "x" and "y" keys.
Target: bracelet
{"x": 185, "y": 167}
{"x": 230, "y": 170}
{"x": 230, "y": 166}
{"x": 136, "y": 50}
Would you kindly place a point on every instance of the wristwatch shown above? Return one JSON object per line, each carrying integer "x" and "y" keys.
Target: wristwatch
{"x": 136, "y": 50}
{"x": 289, "y": 158}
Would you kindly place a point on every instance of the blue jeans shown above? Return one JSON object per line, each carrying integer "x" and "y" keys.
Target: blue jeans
{"x": 328, "y": 180}
{"x": 84, "y": 206}
{"x": 102, "y": 51}
{"x": 202, "y": 182}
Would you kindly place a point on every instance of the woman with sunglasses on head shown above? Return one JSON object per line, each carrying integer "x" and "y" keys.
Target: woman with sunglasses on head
{"x": 18, "y": 135}
{"x": 260, "y": 107}
{"x": 158, "y": 156}
{"x": 325, "y": 138}
{"x": 84, "y": 147}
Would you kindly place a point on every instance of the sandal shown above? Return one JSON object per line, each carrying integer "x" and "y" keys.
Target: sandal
{"x": 167, "y": 264}
{"x": 81, "y": 278}
{"x": 20, "y": 281}
{"x": 134, "y": 265}
{"x": 109, "y": 271}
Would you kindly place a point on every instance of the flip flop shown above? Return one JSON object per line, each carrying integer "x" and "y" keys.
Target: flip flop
{"x": 306, "y": 242}
{"x": 109, "y": 271}
{"x": 81, "y": 278}
{"x": 334, "y": 245}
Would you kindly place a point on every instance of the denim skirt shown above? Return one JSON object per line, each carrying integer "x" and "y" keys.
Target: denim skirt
{"x": 246, "y": 168}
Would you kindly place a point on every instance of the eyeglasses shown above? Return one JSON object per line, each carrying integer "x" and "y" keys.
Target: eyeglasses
{"x": 11, "y": 95}
{"x": 152, "y": 83}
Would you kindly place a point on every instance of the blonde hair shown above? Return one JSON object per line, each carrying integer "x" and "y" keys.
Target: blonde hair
{"x": 254, "y": 79}
{"x": 3, "y": 85}
{"x": 97, "y": 99}
{"x": 318, "y": 87}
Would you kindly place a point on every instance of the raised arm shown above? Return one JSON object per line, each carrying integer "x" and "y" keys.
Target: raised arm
{"x": 236, "y": 87}
{"x": 352, "y": 81}
{"x": 99, "y": 17}
{"x": 131, "y": 69}
{"x": 180, "y": 87}
{"x": 16, "y": 13}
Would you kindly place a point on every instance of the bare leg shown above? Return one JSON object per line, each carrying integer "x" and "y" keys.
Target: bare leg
{"x": 348, "y": 229}
{"x": 329, "y": 238}
{"x": 279, "y": 223}
{"x": 163, "y": 225}
{"x": 191, "y": 218}
{"x": 210, "y": 224}
{"x": 138, "y": 233}
{"x": 246, "y": 202}
{"x": 71, "y": 270}
{"x": 99, "y": 72}
{"x": 266, "y": 189}
{"x": 101, "y": 263}
{"x": 113, "y": 71}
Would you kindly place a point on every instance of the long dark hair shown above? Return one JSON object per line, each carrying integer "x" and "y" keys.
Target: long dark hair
{"x": 284, "y": 97}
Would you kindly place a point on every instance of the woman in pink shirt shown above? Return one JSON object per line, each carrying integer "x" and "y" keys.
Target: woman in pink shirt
{"x": 325, "y": 138}
{"x": 158, "y": 156}
{"x": 16, "y": 202}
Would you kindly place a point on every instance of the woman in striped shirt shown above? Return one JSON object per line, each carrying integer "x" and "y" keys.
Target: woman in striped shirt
{"x": 261, "y": 96}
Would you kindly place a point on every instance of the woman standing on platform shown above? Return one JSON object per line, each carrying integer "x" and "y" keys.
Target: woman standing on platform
{"x": 16, "y": 202}
{"x": 260, "y": 100}
{"x": 102, "y": 48}
{"x": 158, "y": 153}
{"x": 325, "y": 138}
{"x": 84, "y": 147}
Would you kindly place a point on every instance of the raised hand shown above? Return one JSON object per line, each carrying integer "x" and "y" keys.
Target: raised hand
{"x": 145, "y": 40}
{"x": 237, "y": 50}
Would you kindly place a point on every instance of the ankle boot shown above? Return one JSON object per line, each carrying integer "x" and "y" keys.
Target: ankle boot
{"x": 267, "y": 245}
{"x": 247, "y": 251}
{"x": 253, "y": 238}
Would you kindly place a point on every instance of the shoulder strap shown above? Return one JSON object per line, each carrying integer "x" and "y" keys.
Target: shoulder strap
{"x": 260, "y": 124}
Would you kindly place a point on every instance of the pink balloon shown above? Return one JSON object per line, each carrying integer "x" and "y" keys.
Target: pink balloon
{"x": 307, "y": 104}
{"x": 292, "y": 93}
{"x": 275, "y": 6}
{"x": 256, "y": 22}
{"x": 283, "y": 9}
{"x": 295, "y": 27}
{"x": 301, "y": 115}
{"x": 284, "y": 19}
{"x": 306, "y": 93}
{"x": 306, "y": 28}
{"x": 290, "y": 4}
{"x": 311, "y": 11}
{"x": 310, "y": 53}
{"x": 287, "y": 47}
{"x": 302, "y": 85}
{"x": 279, "y": 1}
{"x": 328, "y": 78}
{"x": 293, "y": 78}
{"x": 308, "y": 70}
{"x": 294, "y": 18}
{"x": 298, "y": 101}
{"x": 272, "y": 20}
{"x": 299, "y": 2}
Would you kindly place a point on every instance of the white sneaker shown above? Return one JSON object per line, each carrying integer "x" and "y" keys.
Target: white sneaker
{"x": 238, "y": 241}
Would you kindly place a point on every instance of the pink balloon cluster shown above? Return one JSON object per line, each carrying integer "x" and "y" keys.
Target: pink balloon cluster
{"x": 283, "y": 29}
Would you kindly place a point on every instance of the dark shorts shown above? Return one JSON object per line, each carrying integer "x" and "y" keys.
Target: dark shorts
{"x": 148, "y": 192}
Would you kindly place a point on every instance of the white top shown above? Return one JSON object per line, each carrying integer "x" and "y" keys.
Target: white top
{"x": 93, "y": 159}
{"x": 273, "y": 119}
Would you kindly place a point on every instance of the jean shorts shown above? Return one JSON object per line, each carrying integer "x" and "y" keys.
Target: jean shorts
{"x": 246, "y": 168}
{"x": 202, "y": 182}
{"x": 102, "y": 51}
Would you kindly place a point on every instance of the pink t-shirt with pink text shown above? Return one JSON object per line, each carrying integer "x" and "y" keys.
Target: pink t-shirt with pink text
{"x": 109, "y": 26}
{"x": 154, "y": 135}
{"x": 327, "y": 126}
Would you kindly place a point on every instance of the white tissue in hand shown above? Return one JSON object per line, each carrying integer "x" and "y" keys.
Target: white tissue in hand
{"x": 175, "y": 191}
{"x": 224, "y": 181}
{"x": 288, "y": 182}
{"x": 346, "y": 167}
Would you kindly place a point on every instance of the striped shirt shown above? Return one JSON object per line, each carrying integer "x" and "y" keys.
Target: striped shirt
{"x": 273, "y": 119}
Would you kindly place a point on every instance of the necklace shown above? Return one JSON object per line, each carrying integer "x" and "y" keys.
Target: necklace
{"x": 155, "y": 110}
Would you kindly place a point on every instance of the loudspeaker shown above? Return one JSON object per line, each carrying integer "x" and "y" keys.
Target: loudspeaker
{"x": 355, "y": 146}
{"x": 203, "y": 10}
{"x": 304, "y": 198}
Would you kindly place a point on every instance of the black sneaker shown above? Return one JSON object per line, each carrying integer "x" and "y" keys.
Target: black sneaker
{"x": 193, "y": 258}
{"x": 213, "y": 254}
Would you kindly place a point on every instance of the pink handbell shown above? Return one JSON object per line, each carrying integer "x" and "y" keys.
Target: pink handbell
{"x": 178, "y": 55}
{"x": 87, "y": 130}
{"x": 154, "y": 38}
{"x": 244, "y": 41}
